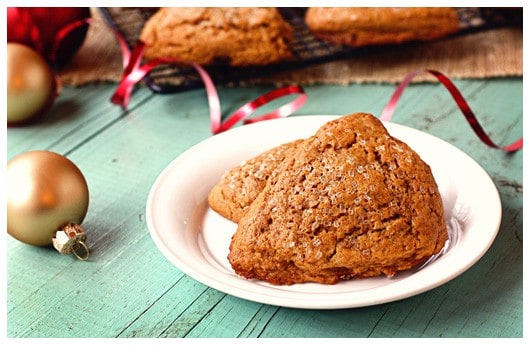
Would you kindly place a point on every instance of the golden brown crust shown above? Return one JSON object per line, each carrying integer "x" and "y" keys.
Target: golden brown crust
{"x": 206, "y": 36}
{"x": 352, "y": 201}
{"x": 362, "y": 26}
{"x": 240, "y": 186}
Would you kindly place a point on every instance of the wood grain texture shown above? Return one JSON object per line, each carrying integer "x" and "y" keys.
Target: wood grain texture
{"x": 128, "y": 289}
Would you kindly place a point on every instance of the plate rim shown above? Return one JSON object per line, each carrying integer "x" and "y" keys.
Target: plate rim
{"x": 302, "y": 303}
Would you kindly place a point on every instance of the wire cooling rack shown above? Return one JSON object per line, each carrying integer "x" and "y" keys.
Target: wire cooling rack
{"x": 307, "y": 49}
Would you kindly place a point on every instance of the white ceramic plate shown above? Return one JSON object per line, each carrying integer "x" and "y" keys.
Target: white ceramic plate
{"x": 196, "y": 239}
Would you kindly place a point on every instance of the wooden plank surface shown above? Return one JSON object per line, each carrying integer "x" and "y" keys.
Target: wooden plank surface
{"x": 128, "y": 289}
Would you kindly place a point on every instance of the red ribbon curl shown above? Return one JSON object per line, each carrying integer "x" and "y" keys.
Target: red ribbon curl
{"x": 464, "y": 107}
{"x": 134, "y": 72}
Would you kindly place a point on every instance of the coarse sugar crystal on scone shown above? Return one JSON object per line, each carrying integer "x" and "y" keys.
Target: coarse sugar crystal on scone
{"x": 351, "y": 201}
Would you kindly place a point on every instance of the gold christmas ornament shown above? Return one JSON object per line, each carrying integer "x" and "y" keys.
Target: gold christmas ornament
{"x": 47, "y": 199}
{"x": 31, "y": 85}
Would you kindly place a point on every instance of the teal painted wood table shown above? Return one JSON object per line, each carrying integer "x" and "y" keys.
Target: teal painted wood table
{"x": 127, "y": 288}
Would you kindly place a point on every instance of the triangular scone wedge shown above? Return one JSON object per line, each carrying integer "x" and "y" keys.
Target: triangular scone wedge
{"x": 352, "y": 201}
{"x": 239, "y": 187}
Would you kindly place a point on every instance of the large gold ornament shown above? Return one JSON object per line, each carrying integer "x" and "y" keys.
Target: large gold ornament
{"x": 47, "y": 199}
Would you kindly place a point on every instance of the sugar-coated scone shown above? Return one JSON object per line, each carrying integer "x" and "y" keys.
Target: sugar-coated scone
{"x": 231, "y": 36}
{"x": 239, "y": 187}
{"x": 363, "y": 26}
{"x": 351, "y": 201}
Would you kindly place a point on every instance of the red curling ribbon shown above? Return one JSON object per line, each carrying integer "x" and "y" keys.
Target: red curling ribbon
{"x": 134, "y": 72}
{"x": 249, "y": 108}
{"x": 63, "y": 33}
{"x": 246, "y": 110}
{"x": 462, "y": 104}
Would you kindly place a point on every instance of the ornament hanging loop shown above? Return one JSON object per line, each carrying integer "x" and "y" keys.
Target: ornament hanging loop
{"x": 70, "y": 239}
{"x": 80, "y": 250}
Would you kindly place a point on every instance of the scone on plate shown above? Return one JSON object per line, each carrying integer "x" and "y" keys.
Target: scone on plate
{"x": 351, "y": 201}
{"x": 239, "y": 187}
{"x": 232, "y": 36}
{"x": 363, "y": 26}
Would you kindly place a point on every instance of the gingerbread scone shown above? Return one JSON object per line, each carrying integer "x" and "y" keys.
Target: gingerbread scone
{"x": 230, "y": 36}
{"x": 352, "y": 201}
{"x": 363, "y": 26}
{"x": 240, "y": 186}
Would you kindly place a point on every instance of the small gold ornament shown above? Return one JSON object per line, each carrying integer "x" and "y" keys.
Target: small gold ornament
{"x": 31, "y": 85}
{"x": 47, "y": 199}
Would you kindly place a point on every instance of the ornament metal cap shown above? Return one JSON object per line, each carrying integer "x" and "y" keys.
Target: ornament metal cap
{"x": 71, "y": 240}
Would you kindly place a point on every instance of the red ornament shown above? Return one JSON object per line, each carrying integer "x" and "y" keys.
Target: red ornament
{"x": 41, "y": 28}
